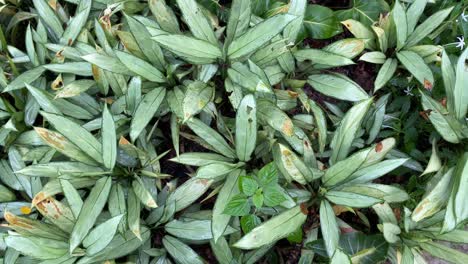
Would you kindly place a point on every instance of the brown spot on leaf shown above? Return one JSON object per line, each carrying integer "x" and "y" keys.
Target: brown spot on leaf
{"x": 428, "y": 85}
{"x": 52, "y": 138}
{"x": 39, "y": 197}
{"x": 425, "y": 114}
{"x": 25, "y": 210}
{"x": 123, "y": 141}
{"x": 304, "y": 209}
{"x": 287, "y": 127}
{"x": 443, "y": 102}
{"x": 378, "y": 147}
{"x": 293, "y": 94}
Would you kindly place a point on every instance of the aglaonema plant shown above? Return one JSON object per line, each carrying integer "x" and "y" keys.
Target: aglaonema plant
{"x": 397, "y": 40}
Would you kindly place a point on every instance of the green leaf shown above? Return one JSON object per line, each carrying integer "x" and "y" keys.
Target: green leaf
{"x": 444, "y": 252}
{"x": 401, "y": 24}
{"x": 361, "y": 31}
{"x": 416, "y": 66}
{"x": 219, "y": 220}
{"x": 436, "y": 196}
{"x": 257, "y": 36}
{"x": 60, "y": 168}
{"x": 329, "y": 227}
{"x": 182, "y": 253}
{"x": 322, "y": 57}
{"x": 121, "y": 245}
{"x": 107, "y": 63}
{"x": 320, "y": 22}
{"x": 193, "y": 50}
{"x": 248, "y": 185}
{"x": 142, "y": 193}
{"x": 273, "y": 195}
{"x": 164, "y": 16}
{"x": 290, "y": 165}
{"x": 91, "y": 209}
{"x": 49, "y": 17}
{"x": 268, "y": 174}
{"x": 246, "y": 127}
{"x": 460, "y": 94}
{"x": 237, "y": 206}
{"x": 249, "y": 222}
{"x": 390, "y": 194}
{"x": 375, "y": 57}
{"x": 365, "y": 11}
{"x": 349, "y": 48}
{"x": 26, "y": 77}
{"x": 192, "y": 230}
{"x": 351, "y": 199}
{"x": 429, "y": 25}
{"x": 338, "y": 86}
{"x": 274, "y": 229}
{"x": 200, "y": 158}
{"x": 414, "y": 12}
{"x": 197, "y": 22}
{"x": 101, "y": 235}
{"x": 133, "y": 213}
{"x": 446, "y": 124}
{"x": 189, "y": 192}
{"x": 257, "y": 199}
{"x": 386, "y": 73}
{"x": 213, "y": 138}
{"x": 140, "y": 67}
{"x": 239, "y": 18}
{"x": 109, "y": 140}
{"x": 150, "y": 48}
{"x": 77, "y": 135}
{"x": 197, "y": 96}
{"x": 75, "y": 25}
{"x": 73, "y": 197}
{"x": 36, "y": 247}
{"x": 346, "y": 132}
{"x": 339, "y": 257}
{"x": 78, "y": 68}
{"x": 145, "y": 111}
{"x": 391, "y": 232}
{"x": 75, "y": 88}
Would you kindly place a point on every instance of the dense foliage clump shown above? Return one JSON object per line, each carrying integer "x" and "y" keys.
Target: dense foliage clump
{"x": 203, "y": 131}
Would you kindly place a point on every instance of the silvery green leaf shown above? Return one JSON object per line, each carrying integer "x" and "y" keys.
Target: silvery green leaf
{"x": 189, "y": 192}
{"x": 337, "y": 86}
{"x": 246, "y": 127}
{"x": 196, "y": 20}
{"x": 329, "y": 227}
{"x": 416, "y": 66}
{"x": 386, "y": 73}
{"x": 191, "y": 49}
{"x": 78, "y": 68}
{"x": 101, "y": 235}
{"x": 460, "y": 94}
{"x": 182, "y": 253}
{"x": 77, "y": 135}
{"x": 121, "y": 245}
{"x": 401, "y": 24}
{"x": 219, "y": 220}
{"x": 346, "y": 132}
{"x": 49, "y": 17}
{"x": 375, "y": 57}
{"x": 274, "y": 229}
{"x": 257, "y": 36}
{"x": 109, "y": 140}
{"x": 351, "y": 199}
{"x": 213, "y": 138}
{"x": 429, "y": 25}
{"x": 145, "y": 111}
{"x": 26, "y": 77}
{"x": 239, "y": 19}
{"x": 140, "y": 67}
{"x": 91, "y": 209}
{"x": 105, "y": 62}
{"x": 445, "y": 123}
{"x": 164, "y": 16}
{"x": 198, "y": 94}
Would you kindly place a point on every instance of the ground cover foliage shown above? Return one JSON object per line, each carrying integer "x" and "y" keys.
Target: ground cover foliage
{"x": 245, "y": 131}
